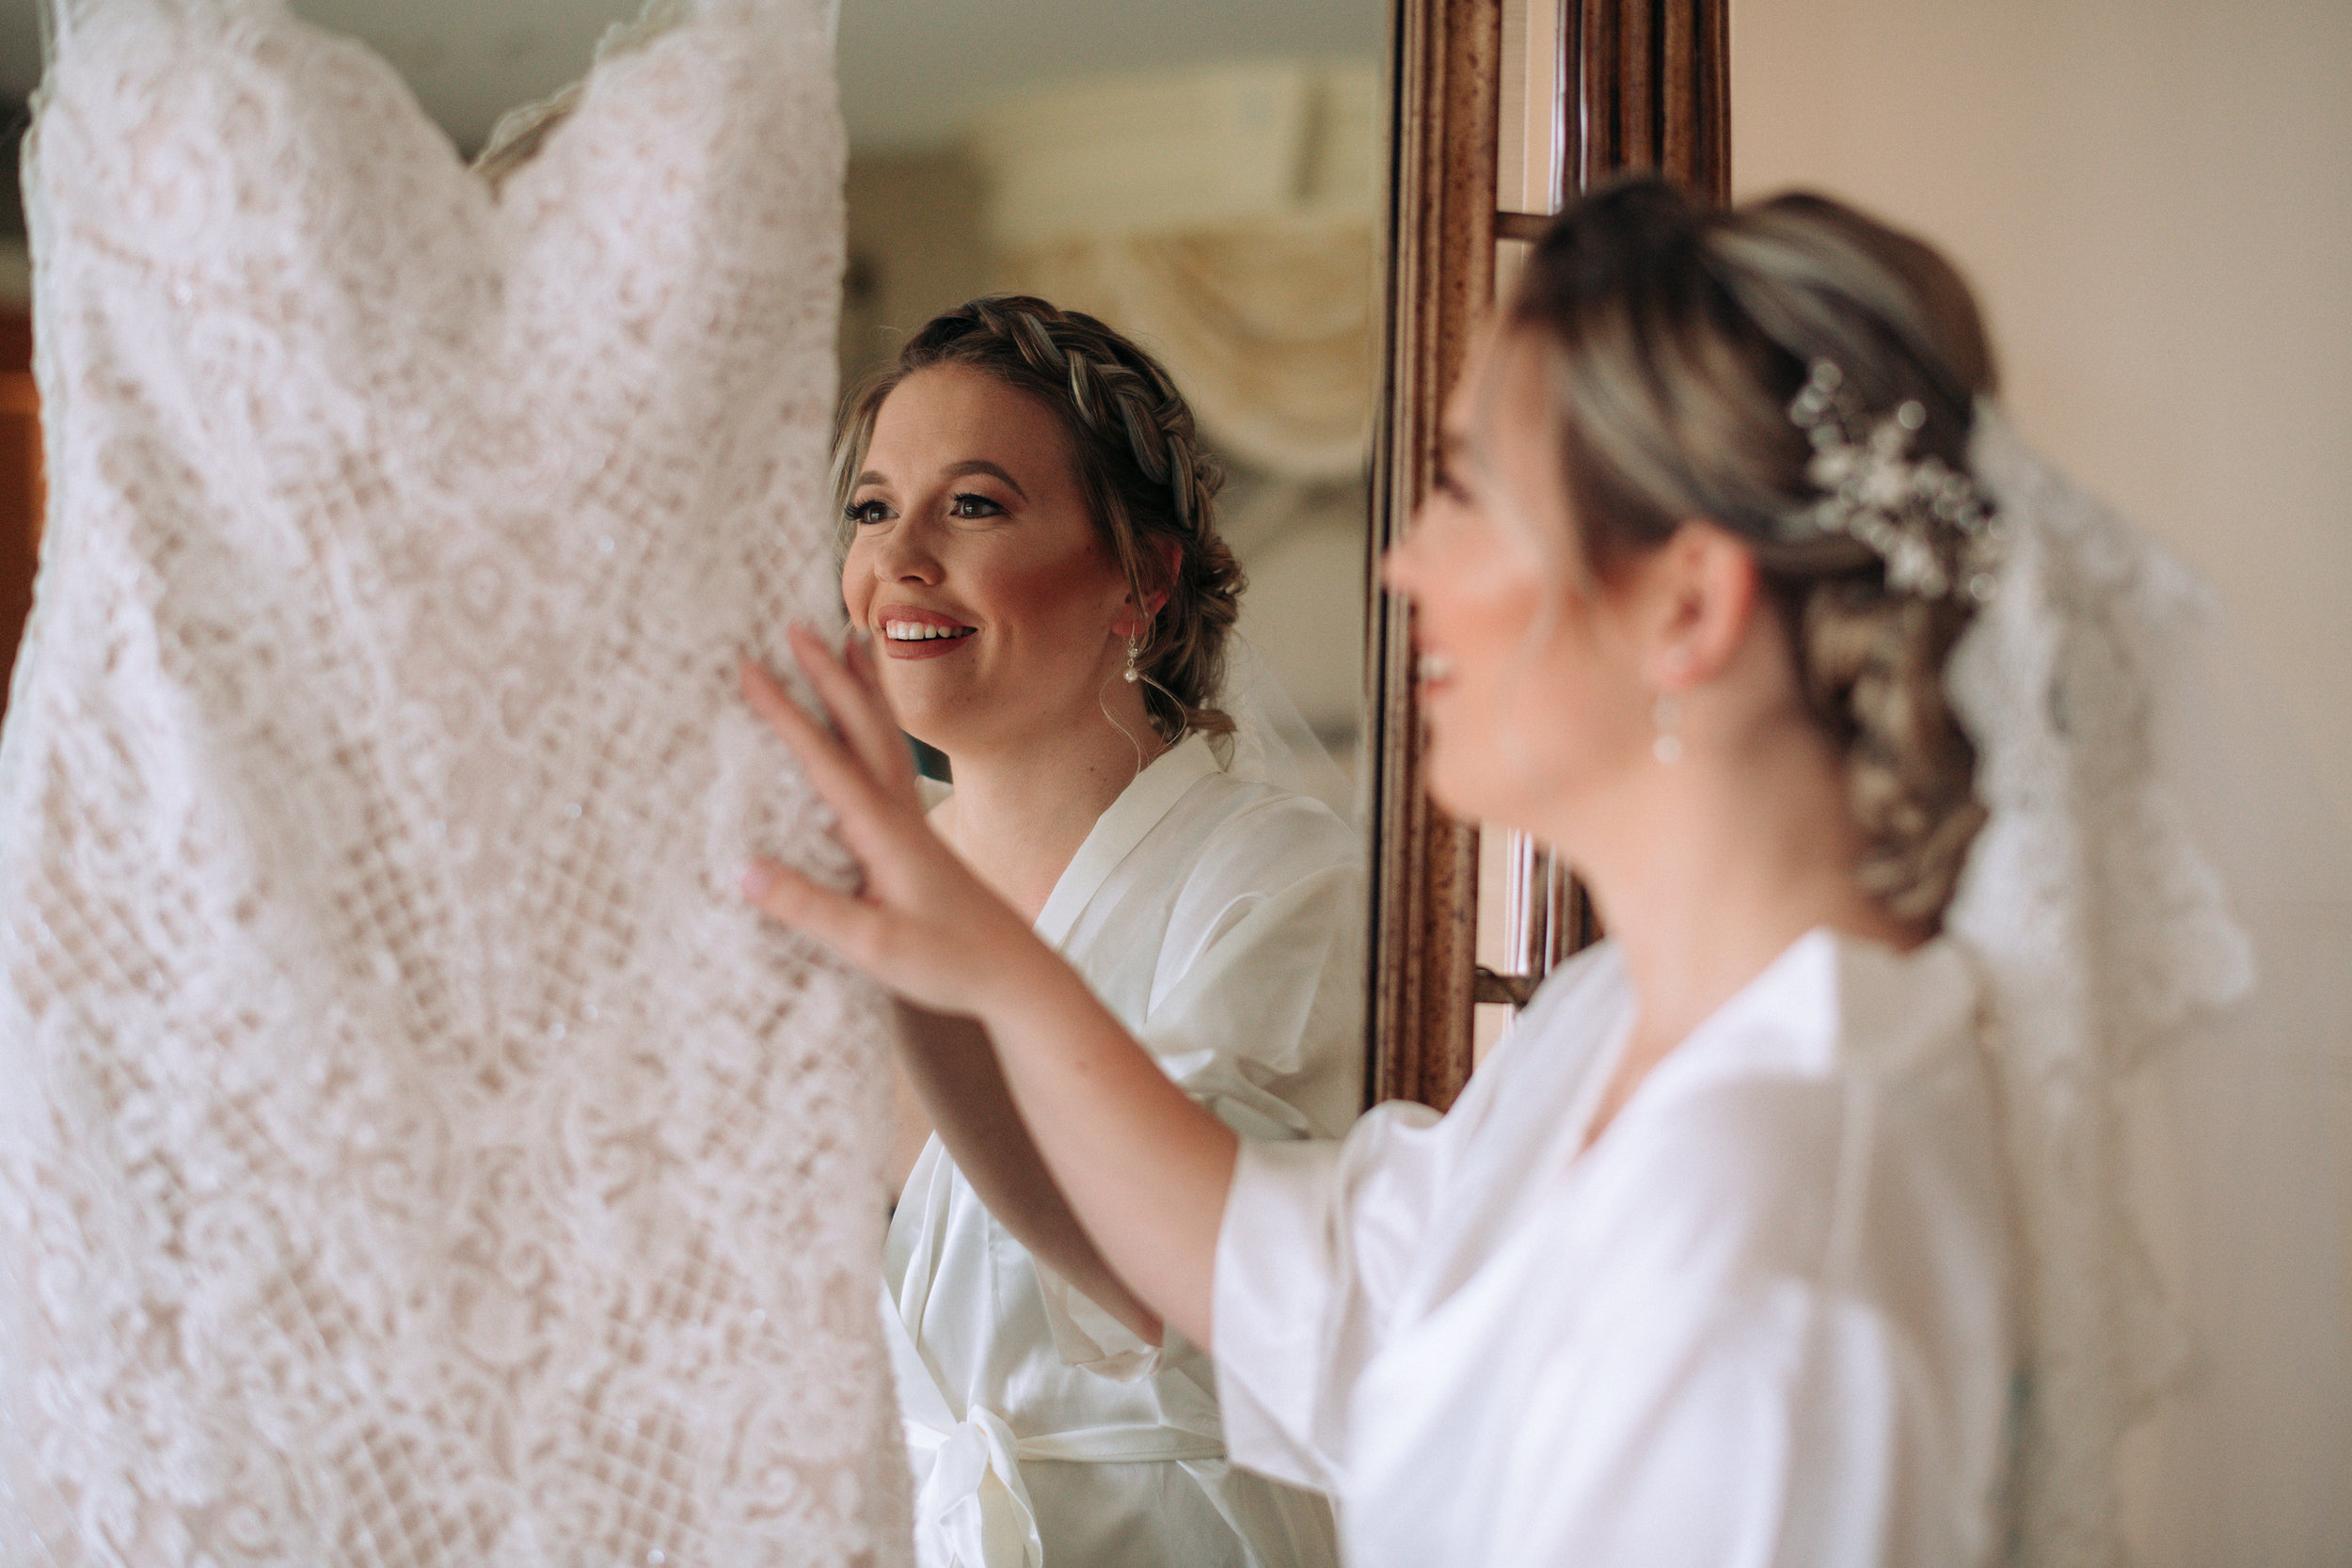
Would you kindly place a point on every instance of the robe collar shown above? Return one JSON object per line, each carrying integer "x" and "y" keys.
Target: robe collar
{"x": 1828, "y": 1004}
{"x": 1117, "y": 831}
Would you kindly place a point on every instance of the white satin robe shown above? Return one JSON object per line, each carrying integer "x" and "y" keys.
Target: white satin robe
{"x": 1765, "y": 1318}
{"x": 1222, "y": 922}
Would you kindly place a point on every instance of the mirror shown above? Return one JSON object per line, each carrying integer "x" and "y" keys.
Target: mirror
{"x": 1203, "y": 177}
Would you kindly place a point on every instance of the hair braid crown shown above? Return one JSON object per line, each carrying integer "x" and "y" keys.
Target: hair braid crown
{"x": 1136, "y": 450}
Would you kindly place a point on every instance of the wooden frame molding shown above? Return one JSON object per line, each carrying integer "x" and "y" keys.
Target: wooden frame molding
{"x": 1646, "y": 83}
{"x": 1441, "y": 207}
{"x": 1652, "y": 80}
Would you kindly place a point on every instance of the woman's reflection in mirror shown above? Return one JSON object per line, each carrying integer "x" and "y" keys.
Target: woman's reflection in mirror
{"x": 1030, "y": 546}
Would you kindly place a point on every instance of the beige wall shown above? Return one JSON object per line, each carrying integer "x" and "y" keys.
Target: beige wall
{"x": 2155, "y": 200}
{"x": 918, "y": 246}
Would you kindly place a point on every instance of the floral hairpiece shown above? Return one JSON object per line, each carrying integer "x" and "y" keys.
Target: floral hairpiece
{"x": 1936, "y": 535}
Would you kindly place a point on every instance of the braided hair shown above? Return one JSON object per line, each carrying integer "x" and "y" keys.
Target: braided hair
{"x": 1148, "y": 481}
{"x": 1676, "y": 337}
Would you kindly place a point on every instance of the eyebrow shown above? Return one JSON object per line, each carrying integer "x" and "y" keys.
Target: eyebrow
{"x": 957, "y": 470}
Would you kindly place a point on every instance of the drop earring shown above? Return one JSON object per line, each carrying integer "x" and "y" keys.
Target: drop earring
{"x": 1135, "y": 654}
{"x": 1667, "y": 714}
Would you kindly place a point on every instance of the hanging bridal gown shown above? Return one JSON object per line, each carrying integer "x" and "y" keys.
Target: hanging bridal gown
{"x": 1221, "y": 920}
{"x": 412, "y": 1152}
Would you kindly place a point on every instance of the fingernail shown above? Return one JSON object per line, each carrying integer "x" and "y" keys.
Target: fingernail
{"x": 757, "y": 880}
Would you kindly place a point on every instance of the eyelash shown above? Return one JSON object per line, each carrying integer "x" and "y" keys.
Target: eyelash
{"x": 862, "y": 513}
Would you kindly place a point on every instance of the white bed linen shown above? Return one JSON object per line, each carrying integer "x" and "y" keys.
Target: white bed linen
{"x": 1764, "y": 1318}
{"x": 1220, "y": 920}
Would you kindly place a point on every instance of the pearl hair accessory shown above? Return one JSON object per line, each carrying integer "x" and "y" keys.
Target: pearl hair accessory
{"x": 1936, "y": 535}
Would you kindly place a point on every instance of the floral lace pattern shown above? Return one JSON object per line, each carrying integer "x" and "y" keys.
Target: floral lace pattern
{"x": 412, "y": 1152}
{"x": 2103, "y": 934}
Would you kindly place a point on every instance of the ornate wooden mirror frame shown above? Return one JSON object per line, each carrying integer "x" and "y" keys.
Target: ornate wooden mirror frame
{"x": 1638, "y": 84}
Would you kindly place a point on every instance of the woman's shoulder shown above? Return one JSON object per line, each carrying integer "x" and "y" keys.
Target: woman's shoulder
{"x": 1227, "y": 825}
{"x": 1846, "y": 1077}
{"x": 1830, "y": 1007}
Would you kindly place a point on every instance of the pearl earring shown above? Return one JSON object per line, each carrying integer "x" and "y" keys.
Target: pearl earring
{"x": 1667, "y": 714}
{"x": 1134, "y": 653}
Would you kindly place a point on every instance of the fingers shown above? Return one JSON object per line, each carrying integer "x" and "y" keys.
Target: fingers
{"x": 859, "y": 655}
{"x": 858, "y": 709}
{"x": 846, "y": 925}
{"x": 866, "y": 936}
{"x": 836, "y": 774}
{"x": 774, "y": 705}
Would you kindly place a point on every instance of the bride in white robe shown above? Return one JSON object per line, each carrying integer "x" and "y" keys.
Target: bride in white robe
{"x": 991, "y": 493}
{"x": 1221, "y": 917}
{"x": 1804, "y": 1222}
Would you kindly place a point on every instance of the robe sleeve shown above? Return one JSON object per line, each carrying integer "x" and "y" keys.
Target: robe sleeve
{"x": 1313, "y": 1254}
{"x": 1312, "y": 1250}
{"x": 1258, "y": 1014}
{"x": 1265, "y": 1028}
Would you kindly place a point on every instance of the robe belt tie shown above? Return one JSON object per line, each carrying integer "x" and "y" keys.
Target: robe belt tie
{"x": 972, "y": 1509}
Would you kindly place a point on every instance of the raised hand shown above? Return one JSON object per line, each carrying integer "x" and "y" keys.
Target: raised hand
{"x": 1144, "y": 1169}
{"x": 923, "y": 923}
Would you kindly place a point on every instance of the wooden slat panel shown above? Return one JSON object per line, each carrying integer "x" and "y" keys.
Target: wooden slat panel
{"x": 1678, "y": 94}
{"x": 1646, "y": 84}
{"x": 1590, "y": 42}
{"x": 1652, "y": 80}
{"x": 1635, "y": 88}
{"x": 1441, "y": 277}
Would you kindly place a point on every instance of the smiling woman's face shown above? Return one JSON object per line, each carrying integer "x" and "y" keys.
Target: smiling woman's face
{"x": 977, "y": 568}
{"x": 1530, "y": 682}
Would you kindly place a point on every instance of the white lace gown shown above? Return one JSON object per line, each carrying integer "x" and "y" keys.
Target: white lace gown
{"x": 1221, "y": 920}
{"x": 412, "y": 1152}
{"x": 1766, "y": 1319}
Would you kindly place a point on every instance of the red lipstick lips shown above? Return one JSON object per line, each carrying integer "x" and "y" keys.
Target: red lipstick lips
{"x": 909, "y": 631}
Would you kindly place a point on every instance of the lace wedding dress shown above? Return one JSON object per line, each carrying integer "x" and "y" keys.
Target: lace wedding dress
{"x": 412, "y": 1152}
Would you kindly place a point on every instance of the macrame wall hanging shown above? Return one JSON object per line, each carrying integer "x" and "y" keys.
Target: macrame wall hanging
{"x": 411, "y": 1149}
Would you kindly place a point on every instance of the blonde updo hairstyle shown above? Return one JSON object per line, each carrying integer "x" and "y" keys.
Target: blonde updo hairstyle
{"x": 1676, "y": 337}
{"x": 1150, "y": 486}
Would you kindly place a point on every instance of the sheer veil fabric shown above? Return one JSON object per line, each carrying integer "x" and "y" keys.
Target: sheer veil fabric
{"x": 2162, "y": 909}
{"x": 1271, "y": 740}
{"x": 412, "y": 1150}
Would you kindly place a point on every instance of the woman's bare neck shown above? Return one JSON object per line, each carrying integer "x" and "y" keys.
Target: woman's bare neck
{"x": 1019, "y": 813}
{"x": 1759, "y": 853}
